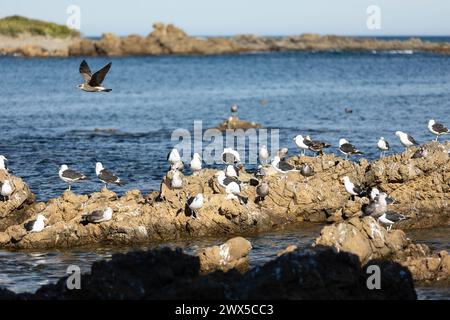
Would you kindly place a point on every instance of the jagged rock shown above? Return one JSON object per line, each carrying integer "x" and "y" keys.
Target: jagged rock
{"x": 233, "y": 254}
{"x": 318, "y": 273}
{"x": 14, "y": 211}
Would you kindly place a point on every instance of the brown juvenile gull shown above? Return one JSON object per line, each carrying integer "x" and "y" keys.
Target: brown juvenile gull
{"x": 93, "y": 82}
{"x": 262, "y": 191}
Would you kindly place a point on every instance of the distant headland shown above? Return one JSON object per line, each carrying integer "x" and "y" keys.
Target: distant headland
{"x": 21, "y": 36}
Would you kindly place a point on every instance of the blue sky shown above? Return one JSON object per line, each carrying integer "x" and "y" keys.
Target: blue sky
{"x": 263, "y": 17}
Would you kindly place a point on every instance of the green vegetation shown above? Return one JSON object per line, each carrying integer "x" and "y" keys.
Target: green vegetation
{"x": 16, "y": 25}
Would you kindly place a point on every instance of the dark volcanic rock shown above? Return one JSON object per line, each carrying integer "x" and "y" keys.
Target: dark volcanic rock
{"x": 318, "y": 273}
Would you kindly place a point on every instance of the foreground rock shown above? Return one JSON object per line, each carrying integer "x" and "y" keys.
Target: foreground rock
{"x": 16, "y": 209}
{"x": 368, "y": 240}
{"x": 420, "y": 187}
{"x": 233, "y": 254}
{"x": 170, "y": 40}
{"x": 318, "y": 273}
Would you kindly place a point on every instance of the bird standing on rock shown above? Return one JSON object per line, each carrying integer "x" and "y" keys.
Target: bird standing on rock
{"x": 98, "y": 216}
{"x": 307, "y": 171}
{"x": 315, "y": 145}
{"x": 6, "y": 189}
{"x": 353, "y": 189}
{"x": 348, "y": 149}
{"x": 263, "y": 154}
{"x": 391, "y": 218}
{"x": 193, "y": 204}
{"x": 300, "y": 143}
{"x": 383, "y": 146}
{"x": 174, "y": 156}
{"x": 70, "y": 176}
{"x": 196, "y": 163}
{"x": 262, "y": 190}
{"x": 405, "y": 139}
{"x": 230, "y": 156}
{"x": 437, "y": 129}
{"x": 3, "y": 163}
{"x": 93, "y": 82}
{"x": 36, "y": 225}
{"x": 106, "y": 176}
{"x": 177, "y": 180}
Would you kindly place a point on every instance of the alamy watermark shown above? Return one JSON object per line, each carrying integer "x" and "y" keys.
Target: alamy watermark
{"x": 373, "y": 21}
{"x": 74, "y": 19}
{"x": 74, "y": 279}
{"x": 374, "y": 280}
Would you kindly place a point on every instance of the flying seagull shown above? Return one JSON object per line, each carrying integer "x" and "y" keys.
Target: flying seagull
{"x": 70, "y": 176}
{"x": 106, "y": 176}
{"x": 196, "y": 163}
{"x": 390, "y": 218}
{"x": 98, "y": 216}
{"x": 405, "y": 139}
{"x": 437, "y": 129}
{"x": 6, "y": 189}
{"x": 36, "y": 225}
{"x": 383, "y": 146}
{"x": 353, "y": 189}
{"x": 93, "y": 82}
{"x": 300, "y": 143}
{"x": 193, "y": 204}
{"x": 348, "y": 149}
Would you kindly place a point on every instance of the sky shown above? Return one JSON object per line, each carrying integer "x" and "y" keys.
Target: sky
{"x": 230, "y": 17}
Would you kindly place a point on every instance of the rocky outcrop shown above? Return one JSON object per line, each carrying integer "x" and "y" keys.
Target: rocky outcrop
{"x": 318, "y": 273}
{"x": 168, "y": 39}
{"x": 292, "y": 198}
{"x": 233, "y": 254}
{"x": 234, "y": 122}
{"x": 16, "y": 209}
{"x": 368, "y": 240}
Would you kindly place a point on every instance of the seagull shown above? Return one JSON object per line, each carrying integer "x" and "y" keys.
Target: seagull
{"x": 230, "y": 156}
{"x": 282, "y": 153}
{"x": 70, "y": 176}
{"x": 230, "y": 171}
{"x": 262, "y": 190}
{"x": 233, "y": 190}
{"x": 234, "y": 108}
{"x": 352, "y": 189}
{"x": 383, "y": 146}
{"x": 420, "y": 153}
{"x": 2, "y": 163}
{"x": 177, "y": 180}
{"x": 260, "y": 172}
{"x": 316, "y": 145}
{"x": 93, "y": 82}
{"x": 196, "y": 163}
{"x": 223, "y": 180}
{"x": 98, "y": 216}
{"x": 263, "y": 154}
{"x": 179, "y": 165}
{"x": 307, "y": 171}
{"x": 374, "y": 193}
{"x": 106, "y": 176}
{"x": 377, "y": 206}
{"x": 300, "y": 143}
{"x": 6, "y": 189}
{"x": 173, "y": 156}
{"x": 406, "y": 139}
{"x": 193, "y": 204}
{"x": 390, "y": 218}
{"x": 36, "y": 225}
{"x": 282, "y": 166}
{"x": 348, "y": 149}
{"x": 437, "y": 129}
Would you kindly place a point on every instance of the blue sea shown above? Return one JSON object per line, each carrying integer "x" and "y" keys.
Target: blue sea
{"x": 46, "y": 121}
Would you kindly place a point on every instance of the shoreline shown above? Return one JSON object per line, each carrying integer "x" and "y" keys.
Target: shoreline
{"x": 166, "y": 40}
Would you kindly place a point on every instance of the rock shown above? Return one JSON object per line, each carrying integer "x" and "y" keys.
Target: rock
{"x": 318, "y": 273}
{"x": 14, "y": 211}
{"x": 232, "y": 254}
{"x": 234, "y": 122}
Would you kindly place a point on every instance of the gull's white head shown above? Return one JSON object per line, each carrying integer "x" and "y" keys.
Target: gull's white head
{"x": 399, "y": 133}
{"x": 431, "y": 122}
{"x": 3, "y": 158}
{"x": 342, "y": 141}
{"x": 374, "y": 193}
{"x": 346, "y": 179}
{"x": 63, "y": 167}
{"x": 41, "y": 218}
{"x": 197, "y": 156}
{"x": 98, "y": 167}
{"x": 382, "y": 138}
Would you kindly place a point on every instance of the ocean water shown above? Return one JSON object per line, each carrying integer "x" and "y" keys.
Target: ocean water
{"x": 45, "y": 121}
